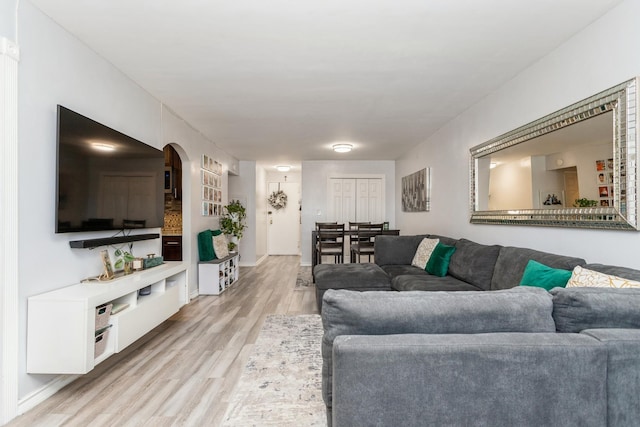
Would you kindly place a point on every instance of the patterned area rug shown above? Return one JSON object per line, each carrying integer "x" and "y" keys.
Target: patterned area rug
{"x": 304, "y": 278}
{"x": 282, "y": 382}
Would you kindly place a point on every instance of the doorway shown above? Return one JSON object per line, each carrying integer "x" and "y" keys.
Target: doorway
{"x": 172, "y": 230}
{"x": 283, "y": 225}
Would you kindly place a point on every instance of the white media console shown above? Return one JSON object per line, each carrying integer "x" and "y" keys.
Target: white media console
{"x": 61, "y": 324}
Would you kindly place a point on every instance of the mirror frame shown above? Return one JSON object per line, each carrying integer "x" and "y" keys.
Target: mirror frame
{"x": 622, "y": 100}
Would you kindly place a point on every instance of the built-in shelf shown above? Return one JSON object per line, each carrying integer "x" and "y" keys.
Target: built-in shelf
{"x": 106, "y": 241}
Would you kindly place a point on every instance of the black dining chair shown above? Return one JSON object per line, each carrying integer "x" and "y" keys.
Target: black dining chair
{"x": 364, "y": 243}
{"x": 330, "y": 242}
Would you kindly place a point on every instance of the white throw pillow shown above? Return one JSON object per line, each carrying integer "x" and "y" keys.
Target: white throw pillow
{"x": 220, "y": 246}
{"x": 423, "y": 253}
{"x": 582, "y": 277}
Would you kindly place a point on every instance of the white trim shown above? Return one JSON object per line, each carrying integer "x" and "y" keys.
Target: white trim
{"x": 37, "y": 397}
{"x": 9, "y": 285}
{"x": 257, "y": 263}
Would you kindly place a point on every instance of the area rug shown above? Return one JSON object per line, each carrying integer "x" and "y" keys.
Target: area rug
{"x": 304, "y": 279}
{"x": 281, "y": 384}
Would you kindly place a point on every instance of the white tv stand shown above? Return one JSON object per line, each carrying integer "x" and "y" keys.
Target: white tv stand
{"x": 61, "y": 323}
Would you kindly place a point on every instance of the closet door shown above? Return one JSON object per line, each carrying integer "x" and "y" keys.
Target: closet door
{"x": 355, "y": 200}
{"x": 342, "y": 200}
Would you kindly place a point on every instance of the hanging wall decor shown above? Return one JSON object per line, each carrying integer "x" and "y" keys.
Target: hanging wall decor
{"x": 278, "y": 199}
{"x": 416, "y": 191}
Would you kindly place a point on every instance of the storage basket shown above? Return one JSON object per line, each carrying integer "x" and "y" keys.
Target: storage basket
{"x": 101, "y": 341}
{"x": 103, "y": 312}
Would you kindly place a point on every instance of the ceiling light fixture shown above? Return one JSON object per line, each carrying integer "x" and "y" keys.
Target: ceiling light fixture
{"x": 103, "y": 147}
{"x": 283, "y": 168}
{"x": 342, "y": 148}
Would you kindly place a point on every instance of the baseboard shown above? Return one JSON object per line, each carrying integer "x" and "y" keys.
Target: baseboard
{"x": 253, "y": 264}
{"x": 37, "y": 397}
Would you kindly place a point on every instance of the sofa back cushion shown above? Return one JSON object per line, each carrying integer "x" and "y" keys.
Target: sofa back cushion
{"x": 474, "y": 263}
{"x": 512, "y": 261}
{"x": 415, "y": 312}
{"x": 396, "y": 250}
{"x": 577, "y": 309}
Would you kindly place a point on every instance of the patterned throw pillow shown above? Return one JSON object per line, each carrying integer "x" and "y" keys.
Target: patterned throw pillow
{"x": 581, "y": 277}
{"x": 423, "y": 253}
{"x": 220, "y": 246}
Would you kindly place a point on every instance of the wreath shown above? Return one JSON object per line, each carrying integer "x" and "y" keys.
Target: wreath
{"x": 278, "y": 199}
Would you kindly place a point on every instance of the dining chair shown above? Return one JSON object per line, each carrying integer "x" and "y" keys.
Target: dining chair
{"x": 364, "y": 243}
{"x": 330, "y": 242}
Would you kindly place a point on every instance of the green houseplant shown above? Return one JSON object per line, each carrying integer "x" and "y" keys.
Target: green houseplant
{"x": 585, "y": 203}
{"x": 124, "y": 260}
{"x": 232, "y": 222}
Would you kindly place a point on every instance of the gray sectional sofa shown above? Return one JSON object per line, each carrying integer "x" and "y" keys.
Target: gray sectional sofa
{"x": 517, "y": 357}
{"x": 473, "y": 267}
{"x": 520, "y": 356}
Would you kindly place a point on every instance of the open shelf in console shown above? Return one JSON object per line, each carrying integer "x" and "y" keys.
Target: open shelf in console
{"x": 106, "y": 241}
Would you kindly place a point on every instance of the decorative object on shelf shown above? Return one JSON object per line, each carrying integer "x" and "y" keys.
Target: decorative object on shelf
{"x": 124, "y": 260}
{"x": 416, "y": 191}
{"x": 152, "y": 261}
{"x": 106, "y": 263}
{"x": 585, "y": 203}
{"x": 232, "y": 222}
{"x": 278, "y": 199}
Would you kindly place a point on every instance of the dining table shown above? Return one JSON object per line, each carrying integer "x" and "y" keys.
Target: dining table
{"x": 354, "y": 235}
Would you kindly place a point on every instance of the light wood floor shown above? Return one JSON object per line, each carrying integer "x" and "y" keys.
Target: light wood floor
{"x": 183, "y": 372}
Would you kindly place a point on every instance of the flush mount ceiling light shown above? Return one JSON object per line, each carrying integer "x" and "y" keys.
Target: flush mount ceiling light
{"x": 102, "y": 146}
{"x": 342, "y": 148}
{"x": 283, "y": 168}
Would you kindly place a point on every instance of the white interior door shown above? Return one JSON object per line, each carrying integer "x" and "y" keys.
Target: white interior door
{"x": 283, "y": 224}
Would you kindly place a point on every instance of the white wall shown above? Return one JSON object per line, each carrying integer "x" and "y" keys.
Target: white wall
{"x": 601, "y": 56}
{"x": 243, "y": 188}
{"x": 55, "y": 68}
{"x": 8, "y": 19}
{"x": 314, "y": 192}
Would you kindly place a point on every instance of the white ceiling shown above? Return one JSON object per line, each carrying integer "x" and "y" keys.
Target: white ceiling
{"x": 278, "y": 81}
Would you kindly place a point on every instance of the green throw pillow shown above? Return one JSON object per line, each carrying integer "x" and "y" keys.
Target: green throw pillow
{"x": 542, "y": 276}
{"x": 438, "y": 263}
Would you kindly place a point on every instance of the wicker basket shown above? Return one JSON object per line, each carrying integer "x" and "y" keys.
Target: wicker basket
{"x": 103, "y": 312}
{"x": 100, "y": 342}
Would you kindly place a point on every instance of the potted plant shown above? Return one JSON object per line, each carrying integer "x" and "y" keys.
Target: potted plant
{"x": 585, "y": 203}
{"x": 232, "y": 222}
{"x": 124, "y": 260}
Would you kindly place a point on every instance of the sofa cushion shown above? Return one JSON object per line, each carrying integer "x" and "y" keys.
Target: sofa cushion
{"x": 583, "y": 277}
{"x": 474, "y": 263}
{"x": 347, "y": 312}
{"x": 512, "y": 261}
{"x": 401, "y": 270}
{"x": 505, "y": 379}
{"x": 627, "y": 273}
{"x": 396, "y": 250}
{"x": 424, "y": 251}
{"x": 623, "y": 375}
{"x": 359, "y": 277}
{"x": 428, "y": 282}
{"x": 536, "y": 274}
{"x": 438, "y": 263}
{"x": 577, "y": 309}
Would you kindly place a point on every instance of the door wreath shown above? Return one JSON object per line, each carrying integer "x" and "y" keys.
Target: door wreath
{"x": 278, "y": 199}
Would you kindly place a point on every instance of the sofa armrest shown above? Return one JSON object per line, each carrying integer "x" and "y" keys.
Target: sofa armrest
{"x": 623, "y": 374}
{"x": 484, "y": 379}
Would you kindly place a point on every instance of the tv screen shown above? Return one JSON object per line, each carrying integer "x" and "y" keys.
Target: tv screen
{"x": 105, "y": 180}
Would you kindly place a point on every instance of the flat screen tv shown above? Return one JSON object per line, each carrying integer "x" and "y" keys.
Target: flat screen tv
{"x": 105, "y": 180}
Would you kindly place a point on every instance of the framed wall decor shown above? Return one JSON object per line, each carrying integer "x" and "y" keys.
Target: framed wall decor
{"x": 211, "y": 172}
{"x": 416, "y": 191}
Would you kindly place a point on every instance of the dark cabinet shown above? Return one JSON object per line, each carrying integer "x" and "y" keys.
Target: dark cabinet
{"x": 172, "y": 248}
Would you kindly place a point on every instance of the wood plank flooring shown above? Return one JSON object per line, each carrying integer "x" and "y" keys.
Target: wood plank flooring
{"x": 184, "y": 371}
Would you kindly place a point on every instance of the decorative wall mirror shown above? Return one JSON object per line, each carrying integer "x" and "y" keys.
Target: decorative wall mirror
{"x": 576, "y": 167}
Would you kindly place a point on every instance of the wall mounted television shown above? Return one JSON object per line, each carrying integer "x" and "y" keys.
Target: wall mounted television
{"x": 105, "y": 180}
